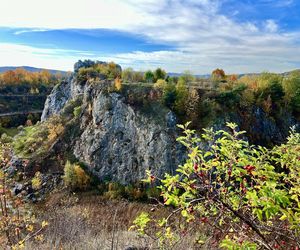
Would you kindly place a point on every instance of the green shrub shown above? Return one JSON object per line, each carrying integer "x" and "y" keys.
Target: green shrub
{"x": 149, "y": 76}
{"x": 85, "y": 74}
{"x": 68, "y": 110}
{"x": 295, "y": 102}
{"x": 135, "y": 193}
{"x": 115, "y": 191}
{"x": 36, "y": 181}
{"x": 106, "y": 70}
{"x": 153, "y": 193}
{"x": 169, "y": 95}
{"x": 6, "y": 138}
{"x": 247, "y": 196}
{"x": 75, "y": 177}
{"x": 77, "y": 111}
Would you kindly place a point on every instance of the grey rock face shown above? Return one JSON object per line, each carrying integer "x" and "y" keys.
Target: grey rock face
{"x": 117, "y": 142}
{"x": 120, "y": 144}
{"x": 60, "y": 94}
{"x": 85, "y": 64}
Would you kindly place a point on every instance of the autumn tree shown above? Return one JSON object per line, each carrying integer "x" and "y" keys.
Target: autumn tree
{"x": 160, "y": 84}
{"x": 75, "y": 177}
{"x": 45, "y": 76}
{"x": 192, "y": 104}
{"x": 118, "y": 83}
{"x": 21, "y": 76}
{"x": 9, "y": 77}
{"x": 218, "y": 75}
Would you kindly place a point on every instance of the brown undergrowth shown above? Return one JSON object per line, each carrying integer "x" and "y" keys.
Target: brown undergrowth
{"x": 89, "y": 221}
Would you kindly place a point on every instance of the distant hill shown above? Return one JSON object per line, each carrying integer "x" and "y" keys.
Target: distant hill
{"x": 289, "y": 72}
{"x": 31, "y": 69}
{"x": 180, "y": 74}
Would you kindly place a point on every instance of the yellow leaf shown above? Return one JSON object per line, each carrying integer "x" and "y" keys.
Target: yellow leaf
{"x": 45, "y": 223}
{"x": 283, "y": 217}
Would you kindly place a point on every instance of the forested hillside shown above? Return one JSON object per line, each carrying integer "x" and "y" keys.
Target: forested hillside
{"x": 23, "y": 94}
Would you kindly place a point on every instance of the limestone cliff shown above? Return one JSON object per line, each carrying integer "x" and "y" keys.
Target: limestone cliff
{"x": 117, "y": 141}
{"x": 122, "y": 133}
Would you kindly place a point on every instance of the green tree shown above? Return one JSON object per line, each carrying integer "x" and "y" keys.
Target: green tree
{"x": 275, "y": 91}
{"x": 128, "y": 75}
{"x": 138, "y": 76}
{"x": 159, "y": 74}
{"x": 291, "y": 86}
{"x": 265, "y": 79}
{"x": 169, "y": 95}
{"x": 149, "y": 76}
{"x": 182, "y": 94}
{"x": 295, "y": 102}
{"x": 187, "y": 77}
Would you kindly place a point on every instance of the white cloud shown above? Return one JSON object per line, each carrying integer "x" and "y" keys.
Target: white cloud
{"x": 204, "y": 37}
{"x": 21, "y": 55}
{"x": 19, "y": 32}
{"x": 271, "y": 26}
{"x": 278, "y": 3}
{"x": 57, "y": 14}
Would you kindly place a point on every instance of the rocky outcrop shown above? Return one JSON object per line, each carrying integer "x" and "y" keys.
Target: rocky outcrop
{"x": 89, "y": 63}
{"x": 57, "y": 99}
{"x": 117, "y": 141}
{"x": 261, "y": 128}
{"x": 120, "y": 144}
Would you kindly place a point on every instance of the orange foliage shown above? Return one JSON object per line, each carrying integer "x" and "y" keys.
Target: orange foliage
{"x": 218, "y": 74}
{"x": 22, "y": 76}
{"x": 118, "y": 83}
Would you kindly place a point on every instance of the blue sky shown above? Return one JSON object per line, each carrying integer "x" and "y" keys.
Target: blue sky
{"x": 197, "y": 35}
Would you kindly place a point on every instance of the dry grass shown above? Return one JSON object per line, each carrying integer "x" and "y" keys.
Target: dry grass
{"x": 87, "y": 221}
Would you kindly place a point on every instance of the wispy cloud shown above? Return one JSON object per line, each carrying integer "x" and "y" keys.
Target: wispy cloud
{"x": 204, "y": 36}
{"x": 277, "y": 3}
{"x": 21, "y": 55}
{"x": 19, "y": 32}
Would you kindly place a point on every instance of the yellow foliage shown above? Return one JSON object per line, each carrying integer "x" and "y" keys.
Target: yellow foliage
{"x": 36, "y": 181}
{"x": 267, "y": 105}
{"x": 16, "y": 222}
{"x": 248, "y": 98}
{"x": 54, "y": 130}
{"x": 75, "y": 177}
{"x": 118, "y": 83}
{"x": 20, "y": 75}
{"x": 250, "y": 80}
{"x": 160, "y": 84}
